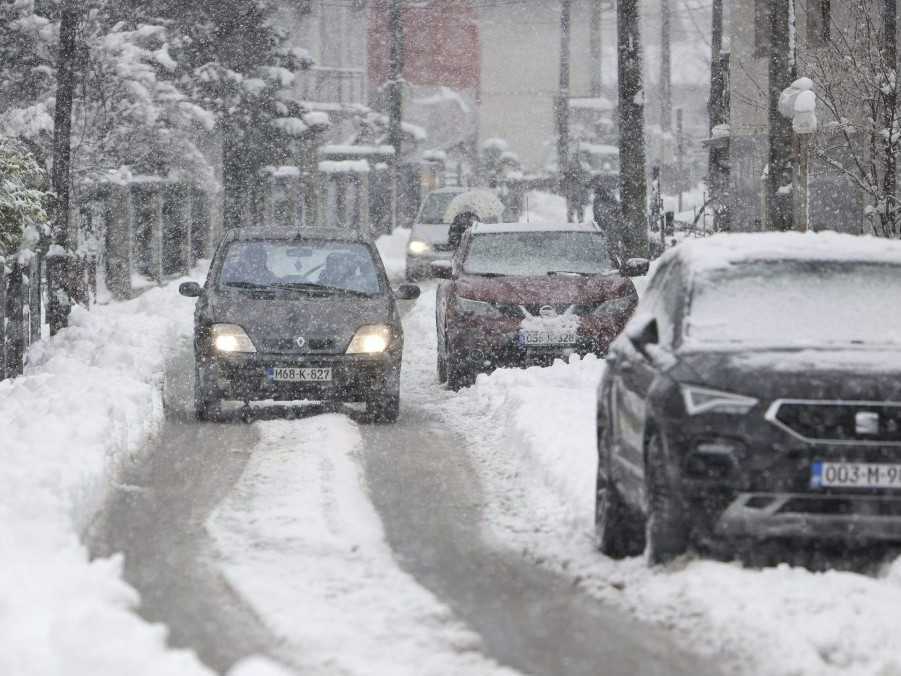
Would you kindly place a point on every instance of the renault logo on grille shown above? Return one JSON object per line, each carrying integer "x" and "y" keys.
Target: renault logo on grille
{"x": 300, "y": 341}
{"x": 547, "y": 311}
{"x": 866, "y": 423}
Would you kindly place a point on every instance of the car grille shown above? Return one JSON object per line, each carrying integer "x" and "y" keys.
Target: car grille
{"x": 442, "y": 247}
{"x": 839, "y": 421}
{"x": 290, "y": 346}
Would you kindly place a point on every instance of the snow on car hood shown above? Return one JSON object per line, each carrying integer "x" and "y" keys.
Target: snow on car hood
{"x": 856, "y": 374}
{"x": 557, "y": 289}
{"x": 431, "y": 233}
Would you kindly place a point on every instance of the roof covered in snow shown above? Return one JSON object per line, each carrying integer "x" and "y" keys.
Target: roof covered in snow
{"x": 723, "y": 250}
{"x": 496, "y": 228}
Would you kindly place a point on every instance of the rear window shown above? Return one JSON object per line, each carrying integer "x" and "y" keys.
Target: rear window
{"x": 345, "y": 266}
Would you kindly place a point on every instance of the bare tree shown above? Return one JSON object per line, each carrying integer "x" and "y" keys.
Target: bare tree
{"x": 854, "y": 74}
{"x": 57, "y": 310}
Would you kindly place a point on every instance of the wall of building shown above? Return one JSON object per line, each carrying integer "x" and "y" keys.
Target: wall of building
{"x": 336, "y": 36}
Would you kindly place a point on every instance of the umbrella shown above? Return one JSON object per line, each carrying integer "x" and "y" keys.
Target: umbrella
{"x": 483, "y": 203}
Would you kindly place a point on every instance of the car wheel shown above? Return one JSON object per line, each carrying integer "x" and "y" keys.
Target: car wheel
{"x": 206, "y": 407}
{"x": 617, "y": 536}
{"x": 458, "y": 374}
{"x": 442, "y": 368}
{"x": 384, "y": 408}
{"x": 666, "y": 531}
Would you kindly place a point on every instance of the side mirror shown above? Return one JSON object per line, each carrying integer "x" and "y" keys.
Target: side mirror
{"x": 643, "y": 333}
{"x": 442, "y": 269}
{"x": 636, "y": 267}
{"x": 190, "y": 289}
{"x": 407, "y": 292}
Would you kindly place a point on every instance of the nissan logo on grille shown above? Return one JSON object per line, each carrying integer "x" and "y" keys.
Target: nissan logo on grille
{"x": 300, "y": 341}
{"x": 866, "y": 423}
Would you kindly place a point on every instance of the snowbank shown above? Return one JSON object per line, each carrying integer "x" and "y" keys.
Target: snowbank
{"x": 302, "y": 542}
{"x": 87, "y": 404}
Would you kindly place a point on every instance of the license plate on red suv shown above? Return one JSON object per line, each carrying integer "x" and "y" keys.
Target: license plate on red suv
{"x": 855, "y": 475}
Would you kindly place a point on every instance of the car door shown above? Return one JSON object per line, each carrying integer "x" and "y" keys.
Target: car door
{"x": 632, "y": 375}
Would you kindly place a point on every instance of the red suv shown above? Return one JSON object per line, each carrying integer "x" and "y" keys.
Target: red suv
{"x": 520, "y": 295}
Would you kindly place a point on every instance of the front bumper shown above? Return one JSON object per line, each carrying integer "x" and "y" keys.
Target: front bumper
{"x": 355, "y": 378}
{"x": 840, "y": 517}
{"x": 741, "y": 477}
{"x": 487, "y": 347}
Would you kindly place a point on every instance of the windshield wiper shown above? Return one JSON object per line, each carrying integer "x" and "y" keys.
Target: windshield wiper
{"x": 552, "y": 273}
{"x": 488, "y": 274}
{"x": 319, "y": 288}
{"x": 246, "y": 285}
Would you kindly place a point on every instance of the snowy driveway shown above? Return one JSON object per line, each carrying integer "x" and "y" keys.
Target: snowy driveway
{"x": 339, "y": 548}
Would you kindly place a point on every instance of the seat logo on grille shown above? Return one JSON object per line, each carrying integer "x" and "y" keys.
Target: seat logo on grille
{"x": 547, "y": 311}
{"x": 300, "y": 341}
{"x": 866, "y": 423}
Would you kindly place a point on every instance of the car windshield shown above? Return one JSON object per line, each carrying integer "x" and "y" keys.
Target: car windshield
{"x": 803, "y": 304}
{"x": 537, "y": 253}
{"x": 307, "y": 265}
{"x": 434, "y": 207}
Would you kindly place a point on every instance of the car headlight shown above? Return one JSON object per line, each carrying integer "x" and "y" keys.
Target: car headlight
{"x": 614, "y": 307}
{"x": 478, "y": 307}
{"x": 416, "y": 247}
{"x": 370, "y": 339}
{"x": 231, "y": 338}
{"x": 704, "y": 400}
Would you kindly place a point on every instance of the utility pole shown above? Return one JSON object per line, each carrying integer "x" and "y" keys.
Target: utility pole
{"x": 563, "y": 160}
{"x": 596, "y": 47}
{"x": 680, "y": 154}
{"x": 57, "y": 259}
{"x": 633, "y": 179}
{"x": 890, "y": 107}
{"x": 395, "y": 101}
{"x": 666, "y": 87}
{"x": 782, "y": 73}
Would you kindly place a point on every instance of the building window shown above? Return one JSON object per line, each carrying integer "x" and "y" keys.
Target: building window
{"x": 819, "y": 18}
{"x": 762, "y": 27}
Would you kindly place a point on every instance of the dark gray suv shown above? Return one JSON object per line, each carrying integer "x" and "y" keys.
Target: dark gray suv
{"x": 297, "y": 314}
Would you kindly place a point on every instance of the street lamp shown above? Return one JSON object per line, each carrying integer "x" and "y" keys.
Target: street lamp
{"x": 798, "y": 103}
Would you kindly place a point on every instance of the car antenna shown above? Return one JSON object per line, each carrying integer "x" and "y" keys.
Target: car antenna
{"x": 527, "y": 209}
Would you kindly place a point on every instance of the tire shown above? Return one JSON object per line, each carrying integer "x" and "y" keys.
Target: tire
{"x": 206, "y": 408}
{"x": 615, "y": 525}
{"x": 666, "y": 531}
{"x": 458, "y": 375}
{"x": 442, "y": 368}
{"x": 384, "y": 409}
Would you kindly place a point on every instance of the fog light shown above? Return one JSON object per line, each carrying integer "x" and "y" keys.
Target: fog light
{"x": 416, "y": 247}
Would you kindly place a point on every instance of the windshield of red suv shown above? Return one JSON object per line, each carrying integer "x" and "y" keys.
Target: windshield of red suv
{"x": 803, "y": 304}
{"x": 537, "y": 253}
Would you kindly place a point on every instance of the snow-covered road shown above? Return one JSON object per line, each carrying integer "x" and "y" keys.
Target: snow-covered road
{"x": 456, "y": 541}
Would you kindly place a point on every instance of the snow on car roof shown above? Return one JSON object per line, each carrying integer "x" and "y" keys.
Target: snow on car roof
{"x": 723, "y": 250}
{"x": 495, "y": 228}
